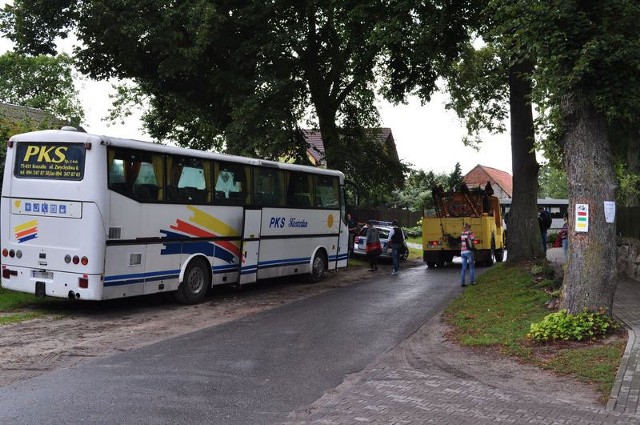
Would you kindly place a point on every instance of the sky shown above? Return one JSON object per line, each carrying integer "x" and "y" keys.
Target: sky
{"x": 427, "y": 136}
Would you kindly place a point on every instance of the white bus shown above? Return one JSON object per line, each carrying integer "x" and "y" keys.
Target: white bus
{"x": 556, "y": 207}
{"x": 93, "y": 218}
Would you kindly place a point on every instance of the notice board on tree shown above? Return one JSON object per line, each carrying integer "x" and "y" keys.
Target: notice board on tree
{"x": 582, "y": 217}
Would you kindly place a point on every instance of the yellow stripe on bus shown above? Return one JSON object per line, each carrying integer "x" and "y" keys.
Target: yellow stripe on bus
{"x": 25, "y": 226}
{"x": 203, "y": 219}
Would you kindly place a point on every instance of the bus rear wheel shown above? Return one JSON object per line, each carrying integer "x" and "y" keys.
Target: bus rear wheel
{"x": 318, "y": 267}
{"x": 195, "y": 284}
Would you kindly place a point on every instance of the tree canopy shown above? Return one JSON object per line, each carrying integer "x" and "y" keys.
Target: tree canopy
{"x": 42, "y": 82}
{"x": 243, "y": 76}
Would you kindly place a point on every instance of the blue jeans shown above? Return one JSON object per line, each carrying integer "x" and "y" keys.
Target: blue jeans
{"x": 467, "y": 258}
{"x": 395, "y": 257}
{"x": 565, "y": 246}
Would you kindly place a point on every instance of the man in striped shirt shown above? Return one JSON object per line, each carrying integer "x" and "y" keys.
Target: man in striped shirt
{"x": 466, "y": 253}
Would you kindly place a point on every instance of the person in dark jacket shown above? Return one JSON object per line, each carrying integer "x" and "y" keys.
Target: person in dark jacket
{"x": 396, "y": 239}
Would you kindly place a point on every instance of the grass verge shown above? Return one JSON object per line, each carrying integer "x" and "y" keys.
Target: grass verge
{"x": 498, "y": 312}
{"x": 15, "y": 306}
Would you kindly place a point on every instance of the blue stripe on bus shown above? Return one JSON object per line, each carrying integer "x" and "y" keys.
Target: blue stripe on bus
{"x": 128, "y": 279}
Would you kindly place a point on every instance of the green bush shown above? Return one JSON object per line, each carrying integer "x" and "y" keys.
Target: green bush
{"x": 564, "y": 326}
{"x": 413, "y": 232}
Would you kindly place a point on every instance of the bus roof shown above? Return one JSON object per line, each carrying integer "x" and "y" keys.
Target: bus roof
{"x": 541, "y": 201}
{"x": 82, "y": 137}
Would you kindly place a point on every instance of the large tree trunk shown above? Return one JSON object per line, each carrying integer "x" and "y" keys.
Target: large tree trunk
{"x": 589, "y": 280}
{"x": 523, "y": 233}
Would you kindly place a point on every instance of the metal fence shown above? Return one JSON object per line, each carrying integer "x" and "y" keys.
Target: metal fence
{"x": 628, "y": 222}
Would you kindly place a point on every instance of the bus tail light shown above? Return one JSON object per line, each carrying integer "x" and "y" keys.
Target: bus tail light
{"x": 84, "y": 261}
{"x": 7, "y": 273}
{"x": 5, "y": 252}
{"x": 76, "y": 259}
{"x": 83, "y": 282}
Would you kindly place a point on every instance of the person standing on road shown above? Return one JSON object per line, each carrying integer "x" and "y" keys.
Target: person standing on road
{"x": 564, "y": 236}
{"x": 396, "y": 239}
{"x": 353, "y": 230}
{"x": 466, "y": 253}
{"x": 544, "y": 221}
{"x": 374, "y": 249}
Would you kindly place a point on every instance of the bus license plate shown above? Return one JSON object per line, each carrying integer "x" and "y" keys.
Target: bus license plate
{"x": 38, "y": 274}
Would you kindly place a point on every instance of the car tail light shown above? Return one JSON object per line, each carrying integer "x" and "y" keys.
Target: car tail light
{"x": 357, "y": 239}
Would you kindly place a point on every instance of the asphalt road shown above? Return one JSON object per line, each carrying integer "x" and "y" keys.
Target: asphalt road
{"x": 257, "y": 370}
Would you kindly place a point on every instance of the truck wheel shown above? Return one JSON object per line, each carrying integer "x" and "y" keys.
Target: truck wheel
{"x": 492, "y": 252}
{"x": 431, "y": 265}
{"x": 499, "y": 255}
{"x": 195, "y": 283}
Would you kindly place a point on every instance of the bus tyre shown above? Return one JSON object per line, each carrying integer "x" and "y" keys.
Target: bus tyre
{"x": 195, "y": 283}
{"x": 318, "y": 267}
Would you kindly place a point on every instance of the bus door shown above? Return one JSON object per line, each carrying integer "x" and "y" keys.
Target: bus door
{"x": 250, "y": 246}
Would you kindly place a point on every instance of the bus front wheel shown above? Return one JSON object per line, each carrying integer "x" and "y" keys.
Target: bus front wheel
{"x": 195, "y": 283}
{"x": 318, "y": 267}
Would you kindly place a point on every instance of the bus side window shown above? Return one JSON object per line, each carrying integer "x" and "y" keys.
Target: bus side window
{"x": 135, "y": 174}
{"x": 192, "y": 184}
{"x": 299, "y": 190}
{"x": 327, "y": 192}
{"x": 231, "y": 186}
{"x": 269, "y": 187}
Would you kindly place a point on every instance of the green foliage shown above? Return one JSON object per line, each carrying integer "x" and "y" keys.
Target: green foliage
{"x": 552, "y": 183}
{"x": 628, "y": 193}
{"x": 564, "y": 326}
{"x": 242, "y": 76}
{"x": 416, "y": 193}
{"x": 42, "y": 82}
{"x": 478, "y": 85}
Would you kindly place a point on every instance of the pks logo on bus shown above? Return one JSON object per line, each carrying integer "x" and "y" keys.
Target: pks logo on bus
{"x": 51, "y": 154}
{"x": 26, "y": 231}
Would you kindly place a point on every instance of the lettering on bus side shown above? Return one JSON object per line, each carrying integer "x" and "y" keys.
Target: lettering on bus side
{"x": 276, "y": 223}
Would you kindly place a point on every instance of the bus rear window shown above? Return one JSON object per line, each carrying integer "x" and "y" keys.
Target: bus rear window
{"x": 40, "y": 160}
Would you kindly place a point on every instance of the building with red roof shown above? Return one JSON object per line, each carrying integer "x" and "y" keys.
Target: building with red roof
{"x": 501, "y": 181}
{"x": 315, "y": 150}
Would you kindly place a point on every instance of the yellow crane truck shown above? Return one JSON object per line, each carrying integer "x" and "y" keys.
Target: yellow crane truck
{"x": 441, "y": 230}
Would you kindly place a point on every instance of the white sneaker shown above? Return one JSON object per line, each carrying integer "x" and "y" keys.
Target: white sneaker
{"x": 394, "y": 272}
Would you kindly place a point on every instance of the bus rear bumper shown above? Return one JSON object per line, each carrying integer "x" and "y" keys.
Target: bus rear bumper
{"x": 57, "y": 284}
